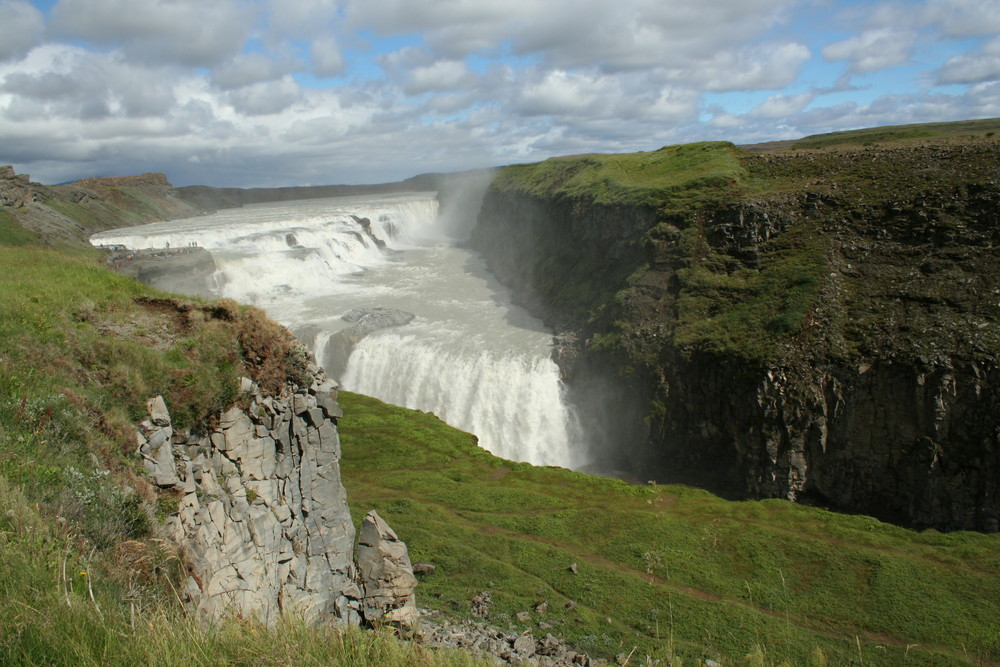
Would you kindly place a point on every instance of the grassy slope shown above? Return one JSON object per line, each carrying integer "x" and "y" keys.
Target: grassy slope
{"x": 83, "y": 579}
{"x": 676, "y": 177}
{"x": 671, "y": 570}
{"x": 900, "y": 133}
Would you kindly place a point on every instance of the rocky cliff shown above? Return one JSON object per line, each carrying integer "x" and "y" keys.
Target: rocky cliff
{"x": 814, "y": 325}
{"x": 262, "y": 519}
{"x": 72, "y": 213}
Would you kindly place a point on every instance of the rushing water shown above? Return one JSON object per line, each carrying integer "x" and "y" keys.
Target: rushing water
{"x": 469, "y": 355}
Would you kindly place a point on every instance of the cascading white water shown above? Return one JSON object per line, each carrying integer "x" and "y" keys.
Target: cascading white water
{"x": 469, "y": 356}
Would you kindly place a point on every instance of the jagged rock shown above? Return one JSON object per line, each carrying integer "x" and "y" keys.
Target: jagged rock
{"x": 512, "y": 649}
{"x": 524, "y": 646}
{"x": 386, "y": 574}
{"x": 367, "y": 320}
{"x": 480, "y": 604}
{"x": 157, "y": 409}
{"x": 155, "y": 444}
{"x": 263, "y": 516}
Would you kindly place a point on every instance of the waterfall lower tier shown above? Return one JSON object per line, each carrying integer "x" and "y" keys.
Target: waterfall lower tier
{"x": 513, "y": 402}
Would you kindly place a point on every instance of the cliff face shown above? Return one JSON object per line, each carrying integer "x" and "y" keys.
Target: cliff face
{"x": 823, "y": 327}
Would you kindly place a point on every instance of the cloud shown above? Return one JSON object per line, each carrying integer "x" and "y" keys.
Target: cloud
{"x": 974, "y": 67}
{"x": 21, "y": 28}
{"x": 327, "y": 59}
{"x": 761, "y": 67}
{"x": 963, "y": 18}
{"x": 781, "y": 106}
{"x": 190, "y": 32}
{"x": 567, "y": 34}
{"x": 301, "y": 19}
{"x": 440, "y": 76}
{"x": 73, "y": 83}
{"x": 560, "y": 92}
{"x": 248, "y": 68}
{"x": 265, "y": 98}
{"x": 872, "y": 50}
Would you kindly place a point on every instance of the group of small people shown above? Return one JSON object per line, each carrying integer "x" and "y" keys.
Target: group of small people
{"x": 124, "y": 260}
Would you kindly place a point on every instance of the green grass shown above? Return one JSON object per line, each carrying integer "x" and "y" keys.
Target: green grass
{"x": 12, "y": 233}
{"x": 896, "y": 133}
{"x": 670, "y": 570}
{"x": 676, "y": 177}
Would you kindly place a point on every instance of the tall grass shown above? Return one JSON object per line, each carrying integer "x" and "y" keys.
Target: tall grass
{"x": 61, "y": 607}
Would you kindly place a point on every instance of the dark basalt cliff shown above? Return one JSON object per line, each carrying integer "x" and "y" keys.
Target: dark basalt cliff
{"x": 821, "y": 326}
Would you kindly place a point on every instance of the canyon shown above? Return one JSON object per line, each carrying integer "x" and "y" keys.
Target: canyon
{"x": 818, "y": 326}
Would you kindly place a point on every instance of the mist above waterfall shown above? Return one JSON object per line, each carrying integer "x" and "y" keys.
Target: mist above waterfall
{"x": 468, "y": 355}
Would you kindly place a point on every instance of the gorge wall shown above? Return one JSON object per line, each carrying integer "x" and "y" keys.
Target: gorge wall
{"x": 818, "y": 326}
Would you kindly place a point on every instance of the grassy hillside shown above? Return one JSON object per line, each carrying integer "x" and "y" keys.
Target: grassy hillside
{"x": 676, "y": 177}
{"x": 84, "y": 579}
{"x": 672, "y": 571}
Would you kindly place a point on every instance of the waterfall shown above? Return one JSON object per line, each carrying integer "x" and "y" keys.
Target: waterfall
{"x": 512, "y": 400}
{"x": 468, "y": 355}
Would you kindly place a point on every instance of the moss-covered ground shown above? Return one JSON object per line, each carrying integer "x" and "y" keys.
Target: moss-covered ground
{"x": 671, "y": 570}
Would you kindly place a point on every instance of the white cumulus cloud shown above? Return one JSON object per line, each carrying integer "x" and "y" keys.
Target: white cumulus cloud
{"x": 872, "y": 50}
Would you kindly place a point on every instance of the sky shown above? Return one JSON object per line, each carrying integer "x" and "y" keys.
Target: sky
{"x": 256, "y": 93}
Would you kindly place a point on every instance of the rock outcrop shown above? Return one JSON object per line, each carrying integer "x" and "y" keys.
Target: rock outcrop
{"x": 362, "y": 321}
{"x": 75, "y": 211}
{"x": 262, "y": 516}
{"x": 183, "y": 270}
{"x": 386, "y": 574}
